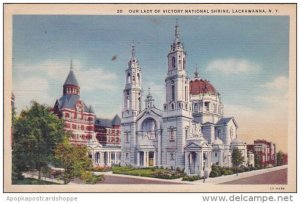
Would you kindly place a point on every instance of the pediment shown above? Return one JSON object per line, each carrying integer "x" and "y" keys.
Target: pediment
{"x": 192, "y": 145}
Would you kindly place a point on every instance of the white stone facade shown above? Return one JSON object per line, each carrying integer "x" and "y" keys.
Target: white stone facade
{"x": 190, "y": 133}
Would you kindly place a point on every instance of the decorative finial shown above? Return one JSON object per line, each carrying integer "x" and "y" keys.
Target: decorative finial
{"x": 132, "y": 49}
{"x": 149, "y": 93}
{"x": 196, "y": 72}
{"x": 71, "y": 65}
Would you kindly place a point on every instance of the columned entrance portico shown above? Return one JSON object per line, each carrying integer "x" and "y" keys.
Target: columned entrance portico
{"x": 146, "y": 159}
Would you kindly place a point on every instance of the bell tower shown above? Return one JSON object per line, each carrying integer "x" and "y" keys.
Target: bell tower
{"x": 177, "y": 115}
{"x": 132, "y": 94}
{"x": 177, "y": 82}
{"x": 133, "y": 87}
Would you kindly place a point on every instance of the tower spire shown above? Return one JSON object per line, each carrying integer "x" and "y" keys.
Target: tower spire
{"x": 177, "y": 34}
{"x": 133, "y": 49}
{"x": 71, "y": 65}
{"x": 196, "y": 72}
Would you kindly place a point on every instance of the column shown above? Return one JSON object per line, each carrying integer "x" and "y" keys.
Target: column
{"x": 154, "y": 158}
{"x": 138, "y": 158}
{"x": 201, "y": 162}
{"x": 145, "y": 160}
{"x": 197, "y": 168}
{"x": 109, "y": 158}
{"x": 159, "y": 157}
{"x": 186, "y": 165}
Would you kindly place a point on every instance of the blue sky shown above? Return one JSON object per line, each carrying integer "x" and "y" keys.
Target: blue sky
{"x": 244, "y": 57}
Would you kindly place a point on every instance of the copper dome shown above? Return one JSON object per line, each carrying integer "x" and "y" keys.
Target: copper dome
{"x": 200, "y": 86}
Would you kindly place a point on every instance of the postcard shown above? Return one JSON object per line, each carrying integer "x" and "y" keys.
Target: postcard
{"x": 150, "y": 98}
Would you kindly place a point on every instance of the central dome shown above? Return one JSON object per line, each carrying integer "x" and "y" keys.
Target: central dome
{"x": 200, "y": 86}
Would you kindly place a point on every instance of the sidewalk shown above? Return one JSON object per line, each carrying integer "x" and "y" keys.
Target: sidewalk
{"x": 223, "y": 179}
{"x": 216, "y": 180}
{"x": 30, "y": 175}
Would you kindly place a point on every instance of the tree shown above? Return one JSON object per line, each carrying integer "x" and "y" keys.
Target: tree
{"x": 36, "y": 133}
{"x": 257, "y": 161}
{"x": 280, "y": 157}
{"x": 236, "y": 157}
{"x": 74, "y": 159}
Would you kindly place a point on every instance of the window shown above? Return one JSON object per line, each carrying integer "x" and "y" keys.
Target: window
{"x": 216, "y": 154}
{"x": 204, "y": 156}
{"x": 140, "y": 103}
{"x": 196, "y": 107}
{"x": 138, "y": 78}
{"x": 127, "y": 137}
{"x": 172, "y": 135}
{"x": 149, "y": 125}
{"x": 186, "y": 133}
{"x": 173, "y": 62}
{"x": 206, "y": 104}
{"x": 128, "y": 78}
{"x": 173, "y": 91}
{"x": 185, "y": 91}
{"x": 218, "y": 134}
{"x": 172, "y": 158}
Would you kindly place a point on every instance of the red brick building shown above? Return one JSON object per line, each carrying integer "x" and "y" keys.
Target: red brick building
{"x": 264, "y": 151}
{"x": 100, "y": 135}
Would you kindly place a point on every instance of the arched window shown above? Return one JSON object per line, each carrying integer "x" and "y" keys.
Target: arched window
{"x": 173, "y": 90}
{"x": 218, "y": 135}
{"x": 128, "y": 78}
{"x": 127, "y": 102}
{"x": 138, "y": 78}
{"x": 148, "y": 125}
{"x": 173, "y": 62}
{"x": 183, "y": 63}
{"x": 140, "y": 103}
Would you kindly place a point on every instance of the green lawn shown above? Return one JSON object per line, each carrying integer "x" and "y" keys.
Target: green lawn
{"x": 148, "y": 172}
{"x": 31, "y": 181}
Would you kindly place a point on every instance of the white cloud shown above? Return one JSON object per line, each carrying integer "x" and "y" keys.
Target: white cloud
{"x": 279, "y": 83}
{"x": 276, "y": 92}
{"x": 42, "y": 81}
{"x": 32, "y": 88}
{"x": 232, "y": 66}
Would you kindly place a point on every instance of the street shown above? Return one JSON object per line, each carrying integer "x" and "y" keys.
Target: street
{"x": 273, "y": 177}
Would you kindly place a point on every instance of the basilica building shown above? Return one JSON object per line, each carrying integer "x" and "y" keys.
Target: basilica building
{"x": 190, "y": 132}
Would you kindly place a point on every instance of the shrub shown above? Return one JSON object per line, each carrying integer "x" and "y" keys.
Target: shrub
{"x": 227, "y": 172}
{"x": 191, "y": 178}
{"x": 215, "y": 171}
{"x": 214, "y": 174}
{"x": 89, "y": 178}
{"x": 101, "y": 168}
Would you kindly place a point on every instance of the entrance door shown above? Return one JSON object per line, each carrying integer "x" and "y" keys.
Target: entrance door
{"x": 192, "y": 162}
{"x": 151, "y": 158}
